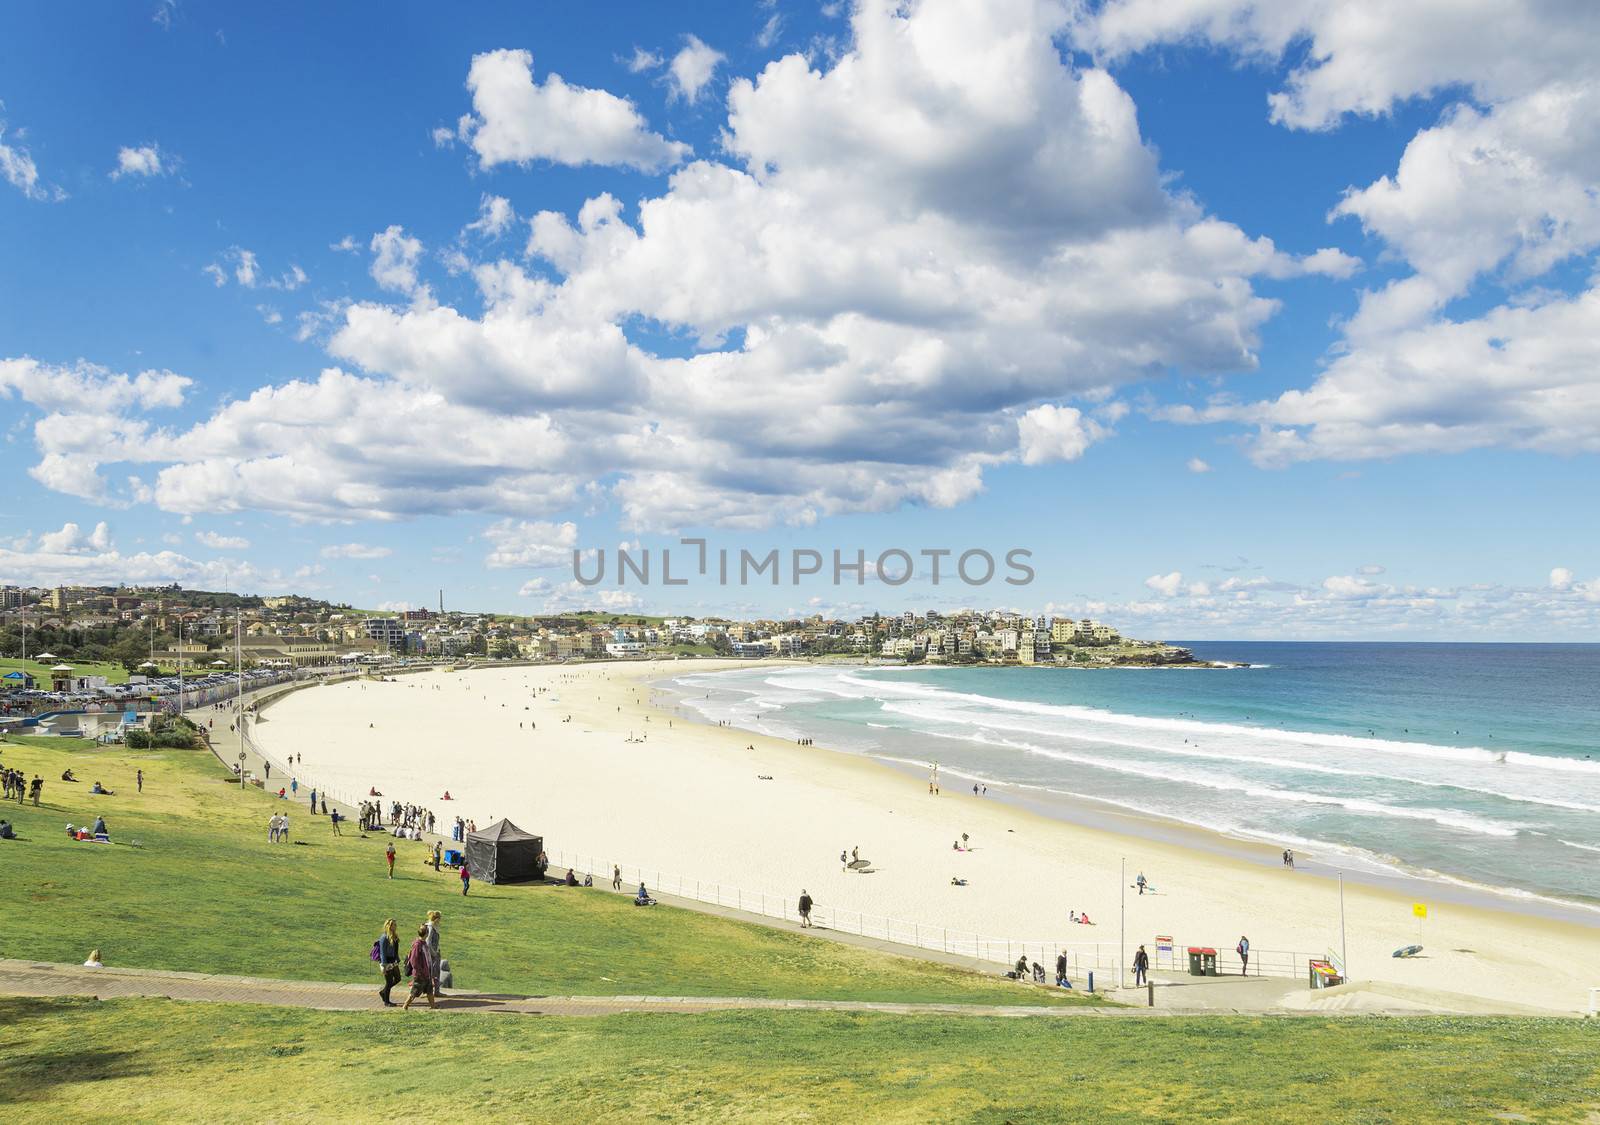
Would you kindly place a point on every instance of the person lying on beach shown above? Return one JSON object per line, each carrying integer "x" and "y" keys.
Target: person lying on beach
{"x": 956, "y": 881}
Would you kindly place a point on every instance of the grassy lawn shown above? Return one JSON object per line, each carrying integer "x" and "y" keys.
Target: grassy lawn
{"x": 69, "y": 1060}
{"x": 116, "y": 673}
{"x": 205, "y": 892}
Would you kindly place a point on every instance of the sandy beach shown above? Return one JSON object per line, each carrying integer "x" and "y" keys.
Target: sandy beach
{"x": 631, "y": 779}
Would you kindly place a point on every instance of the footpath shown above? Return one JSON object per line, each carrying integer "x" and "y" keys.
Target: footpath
{"x": 37, "y": 978}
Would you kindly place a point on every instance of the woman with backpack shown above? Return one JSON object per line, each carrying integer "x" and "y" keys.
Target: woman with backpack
{"x": 388, "y": 951}
{"x": 419, "y": 966}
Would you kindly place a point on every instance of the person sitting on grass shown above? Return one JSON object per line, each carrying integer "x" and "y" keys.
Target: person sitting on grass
{"x": 643, "y": 897}
{"x": 6, "y": 832}
{"x": 572, "y": 878}
{"x": 102, "y": 790}
{"x": 66, "y": 775}
{"x": 100, "y": 826}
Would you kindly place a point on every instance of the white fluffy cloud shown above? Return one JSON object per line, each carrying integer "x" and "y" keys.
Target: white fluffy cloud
{"x": 1504, "y": 187}
{"x": 1167, "y": 585}
{"x": 1196, "y": 465}
{"x": 913, "y": 260}
{"x": 1055, "y": 433}
{"x": 143, "y": 161}
{"x": 72, "y": 555}
{"x": 1363, "y": 56}
{"x": 222, "y": 542}
{"x": 394, "y": 260}
{"x": 530, "y": 543}
{"x": 517, "y": 120}
{"x": 692, "y": 69}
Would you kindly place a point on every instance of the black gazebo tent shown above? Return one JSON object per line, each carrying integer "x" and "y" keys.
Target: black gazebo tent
{"x": 504, "y": 853}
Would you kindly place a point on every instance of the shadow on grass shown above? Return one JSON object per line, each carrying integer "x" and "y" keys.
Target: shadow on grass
{"x": 32, "y": 1075}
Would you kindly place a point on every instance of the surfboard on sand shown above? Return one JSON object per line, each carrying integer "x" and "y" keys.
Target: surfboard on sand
{"x": 1408, "y": 951}
{"x": 860, "y": 864}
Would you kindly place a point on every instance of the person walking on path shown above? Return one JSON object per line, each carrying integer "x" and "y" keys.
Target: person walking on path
{"x": 389, "y": 960}
{"x": 1243, "y": 949}
{"x": 616, "y": 877}
{"x": 1141, "y": 967}
{"x": 431, "y": 927}
{"x": 1061, "y": 968}
{"x": 139, "y": 777}
{"x": 294, "y": 787}
{"x": 805, "y": 909}
{"x": 420, "y": 970}
{"x": 466, "y": 878}
{"x": 313, "y": 802}
{"x": 388, "y": 853}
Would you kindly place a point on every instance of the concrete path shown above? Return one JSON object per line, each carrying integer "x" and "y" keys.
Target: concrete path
{"x": 36, "y": 978}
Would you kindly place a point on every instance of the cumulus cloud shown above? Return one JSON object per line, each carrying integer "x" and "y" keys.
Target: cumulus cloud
{"x": 394, "y": 261}
{"x": 495, "y": 216}
{"x": 642, "y": 60}
{"x": 530, "y": 543}
{"x": 143, "y": 161}
{"x": 1561, "y": 578}
{"x": 921, "y": 258}
{"x": 1167, "y": 585}
{"x": 355, "y": 551}
{"x": 1196, "y": 465}
{"x": 1505, "y": 187}
{"x": 692, "y": 69}
{"x": 1364, "y": 56}
{"x": 1055, "y": 433}
{"x": 74, "y": 556}
{"x": 517, "y": 120}
{"x": 222, "y": 542}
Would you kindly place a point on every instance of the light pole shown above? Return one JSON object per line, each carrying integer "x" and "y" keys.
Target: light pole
{"x": 1122, "y": 934}
{"x": 1344, "y": 954}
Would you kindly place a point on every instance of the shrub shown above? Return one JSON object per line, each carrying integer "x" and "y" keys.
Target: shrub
{"x": 138, "y": 739}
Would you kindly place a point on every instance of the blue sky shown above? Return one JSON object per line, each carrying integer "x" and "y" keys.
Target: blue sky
{"x": 1246, "y": 320}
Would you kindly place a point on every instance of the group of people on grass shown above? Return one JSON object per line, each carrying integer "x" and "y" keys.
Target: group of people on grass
{"x": 17, "y": 785}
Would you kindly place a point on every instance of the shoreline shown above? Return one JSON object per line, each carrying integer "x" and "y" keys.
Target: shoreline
{"x": 761, "y": 813}
{"x": 1316, "y": 857}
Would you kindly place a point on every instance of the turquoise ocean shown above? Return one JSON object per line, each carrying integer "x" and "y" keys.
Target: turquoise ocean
{"x": 1471, "y": 764}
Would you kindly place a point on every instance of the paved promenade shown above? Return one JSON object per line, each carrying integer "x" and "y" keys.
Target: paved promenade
{"x": 36, "y": 978}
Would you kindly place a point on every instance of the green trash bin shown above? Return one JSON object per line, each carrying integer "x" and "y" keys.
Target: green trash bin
{"x": 1210, "y": 958}
{"x": 1196, "y": 965}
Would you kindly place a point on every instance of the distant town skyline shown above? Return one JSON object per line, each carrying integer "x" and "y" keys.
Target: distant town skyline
{"x": 1245, "y": 321}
